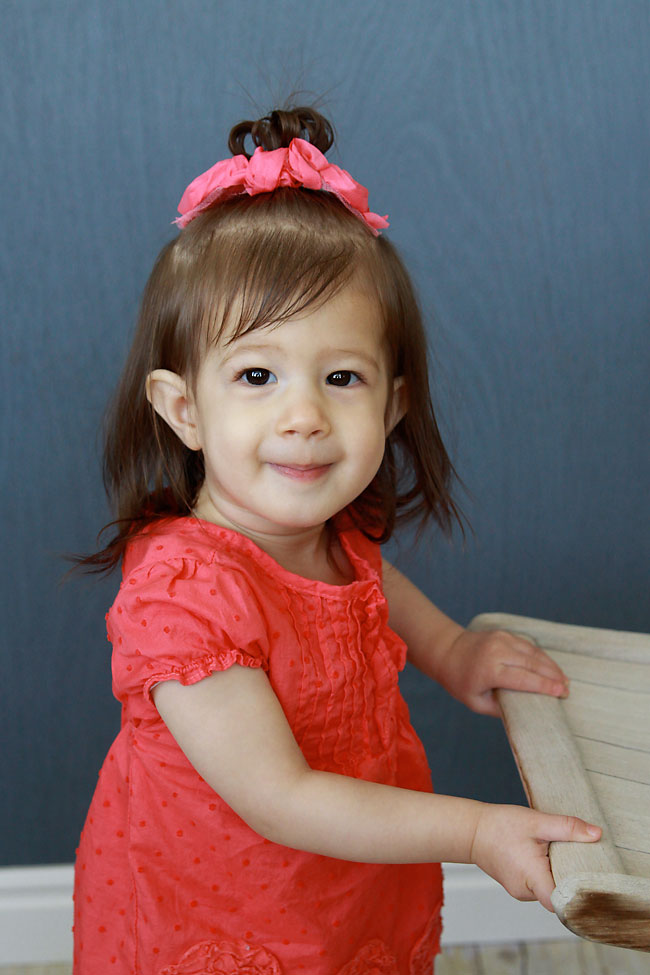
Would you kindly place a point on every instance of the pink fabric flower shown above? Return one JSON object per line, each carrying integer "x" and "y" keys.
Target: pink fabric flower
{"x": 265, "y": 170}
{"x": 301, "y": 164}
{"x": 205, "y": 189}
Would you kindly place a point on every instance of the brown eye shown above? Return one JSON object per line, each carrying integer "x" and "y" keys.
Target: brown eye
{"x": 257, "y": 377}
{"x": 342, "y": 377}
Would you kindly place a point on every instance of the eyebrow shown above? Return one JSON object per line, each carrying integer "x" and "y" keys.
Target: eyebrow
{"x": 236, "y": 347}
{"x": 358, "y": 354}
{"x": 249, "y": 348}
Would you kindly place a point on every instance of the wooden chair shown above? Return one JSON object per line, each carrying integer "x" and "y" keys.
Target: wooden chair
{"x": 589, "y": 756}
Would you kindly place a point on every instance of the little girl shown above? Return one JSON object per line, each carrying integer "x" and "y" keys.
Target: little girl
{"x": 266, "y": 807}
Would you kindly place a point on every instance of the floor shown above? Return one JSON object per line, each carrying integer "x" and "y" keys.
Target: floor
{"x": 542, "y": 958}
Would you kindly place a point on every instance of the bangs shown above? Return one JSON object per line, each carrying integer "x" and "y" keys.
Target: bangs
{"x": 254, "y": 262}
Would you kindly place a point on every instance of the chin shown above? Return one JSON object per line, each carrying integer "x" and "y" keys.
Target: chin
{"x": 294, "y": 520}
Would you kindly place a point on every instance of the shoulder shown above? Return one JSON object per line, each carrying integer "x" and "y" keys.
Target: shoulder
{"x": 187, "y": 549}
{"x": 176, "y": 538}
{"x": 188, "y": 605}
{"x": 186, "y": 566}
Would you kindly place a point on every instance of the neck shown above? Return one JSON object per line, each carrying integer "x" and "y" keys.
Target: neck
{"x": 303, "y": 552}
{"x": 313, "y": 552}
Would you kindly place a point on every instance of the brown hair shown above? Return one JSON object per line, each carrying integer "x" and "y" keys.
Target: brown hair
{"x": 251, "y": 262}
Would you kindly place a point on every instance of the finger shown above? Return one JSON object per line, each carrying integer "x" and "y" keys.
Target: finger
{"x": 523, "y": 652}
{"x": 486, "y": 704}
{"x": 546, "y": 665}
{"x": 529, "y": 649}
{"x": 521, "y": 643}
{"x": 568, "y": 829}
{"x": 538, "y": 659}
{"x": 515, "y": 678}
{"x": 542, "y": 887}
{"x": 542, "y": 668}
{"x": 501, "y": 638}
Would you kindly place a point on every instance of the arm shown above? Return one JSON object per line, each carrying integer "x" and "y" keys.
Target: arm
{"x": 468, "y": 665}
{"x": 233, "y": 730}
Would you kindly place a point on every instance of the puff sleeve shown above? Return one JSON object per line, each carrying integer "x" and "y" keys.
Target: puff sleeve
{"x": 182, "y": 619}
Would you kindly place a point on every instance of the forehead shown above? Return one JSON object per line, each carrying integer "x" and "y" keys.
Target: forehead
{"x": 349, "y": 320}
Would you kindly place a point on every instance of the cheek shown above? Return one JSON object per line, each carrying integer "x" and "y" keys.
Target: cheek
{"x": 370, "y": 441}
{"x": 224, "y": 424}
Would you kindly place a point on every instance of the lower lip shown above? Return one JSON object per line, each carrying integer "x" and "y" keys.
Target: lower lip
{"x": 301, "y": 473}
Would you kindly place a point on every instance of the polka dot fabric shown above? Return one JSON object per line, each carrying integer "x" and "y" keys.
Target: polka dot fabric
{"x": 168, "y": 879}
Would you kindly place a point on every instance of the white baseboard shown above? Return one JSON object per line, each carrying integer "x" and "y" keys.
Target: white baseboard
{"x": 36, "y": 913}
{"x": 479, "y": 911}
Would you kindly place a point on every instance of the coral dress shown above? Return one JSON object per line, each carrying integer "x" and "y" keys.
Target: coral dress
{"x": 168, "y": 879}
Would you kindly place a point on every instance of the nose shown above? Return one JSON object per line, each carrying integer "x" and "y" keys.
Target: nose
{"x": 303, "y": 414}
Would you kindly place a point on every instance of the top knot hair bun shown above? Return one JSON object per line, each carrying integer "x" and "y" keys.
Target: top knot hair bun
{"x": 276, "y": 130}
{"x": 282, "y": 158}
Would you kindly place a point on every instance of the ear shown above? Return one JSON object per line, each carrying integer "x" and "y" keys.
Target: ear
{"x": 398, "y": 404}
{"x": 168, "y": 394}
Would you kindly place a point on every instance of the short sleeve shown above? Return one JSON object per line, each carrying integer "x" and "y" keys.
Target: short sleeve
{"x": 182, "y": 619}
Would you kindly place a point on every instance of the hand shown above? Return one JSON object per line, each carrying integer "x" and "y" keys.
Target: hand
{"x": 476, "y": 664}
{"x": 511, "y": 845}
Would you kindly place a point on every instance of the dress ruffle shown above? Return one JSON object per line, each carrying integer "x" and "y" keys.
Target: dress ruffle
{"x": 427, "y": 947}
{"x": 225, "y": 958}
{"x": 373, "y": 959}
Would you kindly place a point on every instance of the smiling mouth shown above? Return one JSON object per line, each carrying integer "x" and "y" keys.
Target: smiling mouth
{"x": 301, "y": 472}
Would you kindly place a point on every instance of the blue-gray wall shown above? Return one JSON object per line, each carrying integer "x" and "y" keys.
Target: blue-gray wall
{"x": 510, "y": 143}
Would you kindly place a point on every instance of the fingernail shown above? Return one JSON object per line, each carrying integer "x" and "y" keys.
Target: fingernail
{"x": 594, "y": 830}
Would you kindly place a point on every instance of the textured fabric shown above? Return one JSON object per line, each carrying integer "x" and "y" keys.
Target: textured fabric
{"x": 169, "y": 880}
{"x": 299, "y": 164}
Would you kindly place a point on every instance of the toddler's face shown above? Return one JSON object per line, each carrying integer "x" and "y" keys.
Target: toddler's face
{"x": 292, "y": 420}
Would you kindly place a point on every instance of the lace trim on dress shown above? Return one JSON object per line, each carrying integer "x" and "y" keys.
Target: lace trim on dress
{"x": 373, "y": 959}
{"x": 225, "y": 958}
{"x": 427, "y": 947}
{"x": 242, "y": 958}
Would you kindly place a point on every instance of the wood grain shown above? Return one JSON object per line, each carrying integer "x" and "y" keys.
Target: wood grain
{"x": 589, "y": 756}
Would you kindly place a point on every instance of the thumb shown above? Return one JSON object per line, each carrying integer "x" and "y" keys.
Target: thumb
{"x": 570, "y": 829}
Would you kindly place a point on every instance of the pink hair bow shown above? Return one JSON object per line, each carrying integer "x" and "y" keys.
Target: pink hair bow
{"x": 301, "y": 164}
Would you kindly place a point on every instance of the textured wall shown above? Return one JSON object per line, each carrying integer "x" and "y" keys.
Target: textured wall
{"x": 510, "y": 144}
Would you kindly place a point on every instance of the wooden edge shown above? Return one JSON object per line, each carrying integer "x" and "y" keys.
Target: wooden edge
{"x": 589, "y": 640}
{"x": 609, "y": 908}
{"x": 594, "y": 897}
{"x": 555, "y": 781}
